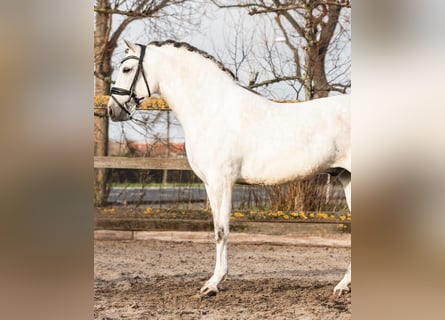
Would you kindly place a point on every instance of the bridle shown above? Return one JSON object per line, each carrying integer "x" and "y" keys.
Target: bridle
{"x": 130, "y": 92}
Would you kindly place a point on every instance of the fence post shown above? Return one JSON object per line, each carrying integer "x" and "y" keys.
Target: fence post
{"x": 165, "y": 173}
{"x": 100, "y": 149}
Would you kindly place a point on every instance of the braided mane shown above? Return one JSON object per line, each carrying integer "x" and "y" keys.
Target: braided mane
{"x": 191, "y": 48}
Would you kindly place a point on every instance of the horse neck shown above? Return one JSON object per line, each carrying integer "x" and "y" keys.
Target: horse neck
{"x": 193, "y": 86}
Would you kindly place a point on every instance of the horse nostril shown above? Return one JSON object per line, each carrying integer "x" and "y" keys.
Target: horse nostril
{"x": 110, "y": 112}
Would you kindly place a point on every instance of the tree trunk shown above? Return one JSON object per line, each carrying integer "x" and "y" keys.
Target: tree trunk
{"x": 100, "y": 149}
{"x": 315, "y": 82}
{"x": 321, "y": 84}
{"x": 103, "y": 72}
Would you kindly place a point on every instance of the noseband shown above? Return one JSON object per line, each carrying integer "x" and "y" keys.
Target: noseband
{"x": 130, "y": 92}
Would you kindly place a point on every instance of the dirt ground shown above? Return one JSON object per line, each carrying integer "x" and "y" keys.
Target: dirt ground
{"x": 153, "y": 279}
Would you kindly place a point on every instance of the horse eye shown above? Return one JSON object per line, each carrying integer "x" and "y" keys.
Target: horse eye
{"x": 126, "y": 70}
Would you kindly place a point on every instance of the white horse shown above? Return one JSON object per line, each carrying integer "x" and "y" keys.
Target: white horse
{"x": 232, "y": 134}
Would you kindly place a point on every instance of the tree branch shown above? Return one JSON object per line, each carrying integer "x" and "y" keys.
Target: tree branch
{"x": 140, "y": 11}
{"x": 105, "y": 79}
{"x": 134, "y": 14}
{"x": 290, "y": 45}
{"x": 261, "y": 8}
{"x": 293, "y": 23}
{"x": 272, "y": 81}
{"x": 339, "y": 87}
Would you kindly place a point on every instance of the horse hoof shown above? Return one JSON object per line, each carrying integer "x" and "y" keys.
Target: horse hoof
{"x": 339, "y": 289}
{"x": 208, "y": 291}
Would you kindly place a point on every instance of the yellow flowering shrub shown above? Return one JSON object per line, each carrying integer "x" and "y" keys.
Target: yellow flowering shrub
{"x": 322, "y": 215}
{"x": 302, "y": 215}
{"x": 101, "y": 101}
{"x": 263, "y": 215}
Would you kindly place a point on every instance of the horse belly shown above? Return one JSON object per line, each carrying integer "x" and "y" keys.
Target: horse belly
{"x": 281, "y": 169}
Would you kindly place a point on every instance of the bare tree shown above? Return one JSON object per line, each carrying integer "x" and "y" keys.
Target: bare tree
{"x": 114, "y": 16}
{"x": 315, "y": 33}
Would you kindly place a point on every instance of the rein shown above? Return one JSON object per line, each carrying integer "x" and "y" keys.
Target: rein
{"x": 130, "y": 92}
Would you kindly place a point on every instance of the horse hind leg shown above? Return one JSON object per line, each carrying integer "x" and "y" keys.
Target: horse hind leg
{"x": 343, "y": 285}
{"x": 345, "y": 180}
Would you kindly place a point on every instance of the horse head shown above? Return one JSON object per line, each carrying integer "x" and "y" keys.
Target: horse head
{"x": 132, "y": 85}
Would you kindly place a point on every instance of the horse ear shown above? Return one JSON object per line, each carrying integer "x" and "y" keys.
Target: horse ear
{"x": 129, "y": 45}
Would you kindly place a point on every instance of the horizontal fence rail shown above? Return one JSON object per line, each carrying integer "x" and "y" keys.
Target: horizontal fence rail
{"x": 141, "y": 163}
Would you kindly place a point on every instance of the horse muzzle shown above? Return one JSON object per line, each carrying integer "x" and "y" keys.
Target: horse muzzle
{"x": 117, "y": 111}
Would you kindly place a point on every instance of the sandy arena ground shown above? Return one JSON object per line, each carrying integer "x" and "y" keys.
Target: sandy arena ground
{"x": 152, "y": 279}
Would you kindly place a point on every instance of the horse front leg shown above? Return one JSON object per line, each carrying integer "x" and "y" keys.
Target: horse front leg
{"x": 220, "y": 197}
